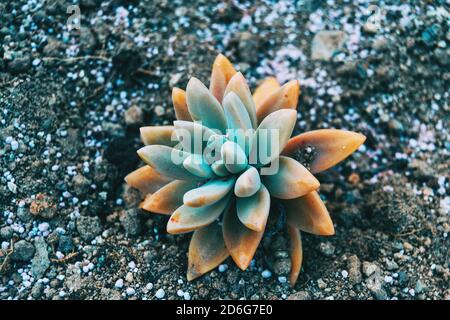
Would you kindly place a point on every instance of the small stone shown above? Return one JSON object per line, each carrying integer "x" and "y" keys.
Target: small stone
{"x": 301, "y": 295}
{"x": 407, "y": 246}
{"x": 88, "y": 227}
{"x": 326, "y": 248}
{"x": 23, "y": 251}
{"x": 402, "y": 278}
{"x": 134, "y": 116}
{"x": 119, "y": 284}
{"x": 6, "y": 233}
{"x": 37, "y": 290}
{"x": 130, "y": 291}
{"x": 43, "y": 206}
{"x": 391, "y": 265}
{"x": 81, "y": 184}
{"x": 321, "y": 284}
{"x": 24, "y": 214}
{"x": 159, "y": 111}
{"x": 369, "y": 268}
{"x": 40, "y": 261}
{"x": 65, "y": 244}
{"x": 148, "y": 256}
{"x": 12, "y": 187}
{"x": 420, "y": 286}
{"x": 354, "y": 269}
{"x": 375, "y": 284}
{"x": 130, "y": 221}
{"x": 282, "y": 266}
{"x": 160, "y": 294}
{"x": 223, "y": 268}
{"x": 266, "y": 274}
{"x": 129, "y": 277}
{"x": 326, "y": 43}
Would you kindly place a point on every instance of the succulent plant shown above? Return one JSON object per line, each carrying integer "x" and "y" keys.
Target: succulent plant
{"x": 225, "y": 196}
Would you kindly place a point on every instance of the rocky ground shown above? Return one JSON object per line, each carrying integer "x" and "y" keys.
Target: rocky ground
{"x": 72, "y": 100}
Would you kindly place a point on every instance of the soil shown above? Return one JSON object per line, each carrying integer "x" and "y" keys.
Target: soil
{"x": 72, "y": 101}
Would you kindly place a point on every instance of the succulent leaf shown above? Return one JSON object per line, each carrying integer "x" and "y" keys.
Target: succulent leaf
{"x": 167, "y": 199}
{"x": 248, "y": 183}
{"x": 268, "y": 86}
{"x": 204, "y": 107}
{"x": 186, "y": 219}
{"x": 219, "y": 168}
{"x": 272, "y": 135}
{"x": 236, "y": 113}
{"x": 291, "y": 181}
{"x": 147, "y": 180}
{"x": 331, "y": 146}
{"x": 161, "y": 159}
{"x": 196, "y": 165}
{"x": 192, "y": 136}
{"x": 309, "y": 214}
{"x": 254, "y": 211}
{"x": 209, "y": 193}
{"x": 180, "y": 105}
{"x": 238, "y": 120}
{"x": 158, "y": 135}
{"x": 241, "y": 241}
{"x": 296, "y": 253}
{"x": 285, "y": 97}
{"x": 206, "y": 250}
{"x": 233, "y": 157}
{"x": 239, "y": 86}
{"x": 222, "y": 72}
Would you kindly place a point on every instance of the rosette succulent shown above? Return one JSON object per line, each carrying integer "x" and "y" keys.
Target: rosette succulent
{"x": 227, "y": 158}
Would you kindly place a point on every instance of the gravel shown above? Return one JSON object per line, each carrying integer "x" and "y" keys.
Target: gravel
{"x": 23, "y": 251}
{"x": 88, "y": 227}
{"x": 72, "y": 102}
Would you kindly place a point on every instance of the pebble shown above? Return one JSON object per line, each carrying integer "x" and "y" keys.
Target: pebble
{"x": 326, "y": 248}
{"x": 391, "y": 265}
{"x": 65, "y": 244}
{"x": 369, "y": 268}
{"x": 89, "y": 227}
{"x": 23, "y": 251}
{"x": 134, "y": 116}
{"x": 223, "y": 268}
{"x": 130, "y": 221}
{"x": 354, "y": 269}
{"x": 326, "y": 43}
{"x": 6, "y": 233}
{"x": 40, "y": 262}
{"x": 301, "y": 295}
{"x": 266, "y": 274}
{"x": 160, "y": 293}
{"x": 130, "y": 291}
{"x": 119, "y": 284}
{"x": 420, "y": 286}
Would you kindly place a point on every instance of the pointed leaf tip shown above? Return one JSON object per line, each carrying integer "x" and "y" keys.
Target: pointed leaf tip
{"x": 296, "y": 253}
{"x": 292, "y": 180}
{"x": 286, "y": 97}
{"x": 222, "y": 72}
{"x": 331, "y": 146}
{"x": 241, "y": 242}
{"x": 253, "y": 211}
{"x": 180, "y": 105}
{"x": 203, "y": 106}
{"x": 146, "y": 179}
{"x": 206, "y": 250}
{"x": 309, "y": 214}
